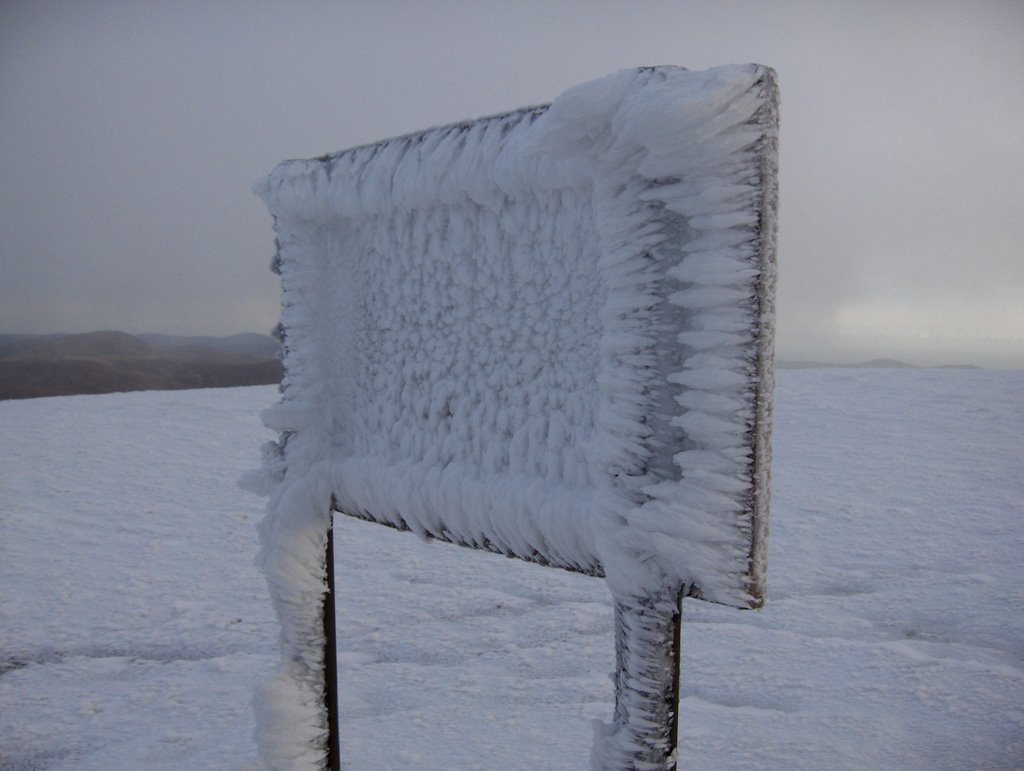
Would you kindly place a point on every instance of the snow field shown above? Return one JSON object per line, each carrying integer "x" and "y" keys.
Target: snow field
{"x": 134, "y": 626}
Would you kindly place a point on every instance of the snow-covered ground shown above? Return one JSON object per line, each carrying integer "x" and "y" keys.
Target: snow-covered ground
{"x": 134, "y": 626}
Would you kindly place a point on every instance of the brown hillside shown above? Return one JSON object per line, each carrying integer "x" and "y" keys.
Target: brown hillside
{"x": 105, "y": 362}
{"x": 90, "y": 345}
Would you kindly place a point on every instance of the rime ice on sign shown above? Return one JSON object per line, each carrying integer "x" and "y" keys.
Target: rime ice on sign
{"x": 546, "y": 334}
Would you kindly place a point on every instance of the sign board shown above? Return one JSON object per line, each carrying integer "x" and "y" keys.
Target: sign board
{"x": 546, "y": 334}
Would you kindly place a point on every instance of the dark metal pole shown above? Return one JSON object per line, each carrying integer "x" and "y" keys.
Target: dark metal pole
{"x": 331, "y": 660}
{"x": 677, "y": 658}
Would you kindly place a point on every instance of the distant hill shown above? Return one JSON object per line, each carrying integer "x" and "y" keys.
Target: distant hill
{"x": 108, "y": 361}
{"x": 248, "y": 343}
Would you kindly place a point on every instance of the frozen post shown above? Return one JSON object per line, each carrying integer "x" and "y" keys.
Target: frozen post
{"x": 546, "y": 334}
{"x": 645, "y": 729}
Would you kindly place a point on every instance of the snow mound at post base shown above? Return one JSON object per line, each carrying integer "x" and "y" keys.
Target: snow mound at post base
{"x": 546, "y": 334}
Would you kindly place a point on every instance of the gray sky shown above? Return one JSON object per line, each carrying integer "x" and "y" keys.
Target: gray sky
{"x": 131, "y": 132}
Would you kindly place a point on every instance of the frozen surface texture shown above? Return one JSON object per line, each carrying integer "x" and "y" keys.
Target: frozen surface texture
{"x": 545, "y": 334}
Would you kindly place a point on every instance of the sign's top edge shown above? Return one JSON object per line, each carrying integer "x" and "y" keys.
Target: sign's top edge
{"x": 531, "y": 111}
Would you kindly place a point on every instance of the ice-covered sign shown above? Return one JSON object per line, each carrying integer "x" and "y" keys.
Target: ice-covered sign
{"x": 546, "y": 334}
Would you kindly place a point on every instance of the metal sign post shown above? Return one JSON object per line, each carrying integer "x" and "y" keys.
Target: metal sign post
{"x": 648, "y": 657}
{"x": 331, "y": 661}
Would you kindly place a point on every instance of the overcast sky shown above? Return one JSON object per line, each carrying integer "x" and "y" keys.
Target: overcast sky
{"x": 131, "y": 133}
